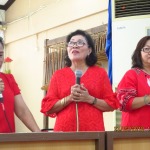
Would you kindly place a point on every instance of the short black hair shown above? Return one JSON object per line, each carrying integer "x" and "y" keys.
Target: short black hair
{"x": 136, "y": 57}
{"x": 92, "y": 58}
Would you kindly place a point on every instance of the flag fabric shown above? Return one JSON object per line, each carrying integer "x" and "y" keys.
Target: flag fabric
{"x": 108, "y": 47}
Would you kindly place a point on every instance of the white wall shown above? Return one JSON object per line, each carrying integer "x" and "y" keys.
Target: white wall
{"x": 2, "y": 19}
{"x": 34, "y": 16}
{"x": 126, "y": 34}
{"x": 29, "y": 23}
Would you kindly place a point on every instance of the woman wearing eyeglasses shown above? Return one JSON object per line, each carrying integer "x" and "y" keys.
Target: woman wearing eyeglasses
{"x": 134, "y": 89}
{"x": 79, "y": 107}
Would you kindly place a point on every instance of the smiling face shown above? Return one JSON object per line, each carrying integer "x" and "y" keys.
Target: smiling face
{"x": 78, "y": 49}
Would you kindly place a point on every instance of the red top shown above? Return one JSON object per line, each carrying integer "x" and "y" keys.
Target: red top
{"x": 134, "y": 84}
{"x": 10, "y": 90}
{"x": 96, "y": 81}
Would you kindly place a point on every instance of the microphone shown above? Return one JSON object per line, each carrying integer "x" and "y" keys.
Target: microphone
{"x": 78, "y": 74}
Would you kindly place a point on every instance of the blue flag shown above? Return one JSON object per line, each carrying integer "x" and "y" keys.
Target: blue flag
{"x": 108, "y": 47}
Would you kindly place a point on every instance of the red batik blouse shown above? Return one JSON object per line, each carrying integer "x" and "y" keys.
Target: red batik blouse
{"x": 135, "y": 83}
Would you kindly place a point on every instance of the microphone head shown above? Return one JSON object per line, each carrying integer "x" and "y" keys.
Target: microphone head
{"x": 78, "y": 73}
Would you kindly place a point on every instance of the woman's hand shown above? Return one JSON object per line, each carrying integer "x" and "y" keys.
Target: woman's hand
{"x": 1, "y": 85}
{"x": 80, "y": 94}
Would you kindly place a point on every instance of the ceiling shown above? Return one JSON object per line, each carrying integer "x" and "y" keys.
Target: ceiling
{"x": 5, "y": 4}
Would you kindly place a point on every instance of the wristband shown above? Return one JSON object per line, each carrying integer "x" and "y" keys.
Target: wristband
{"x": 145, "y": 100}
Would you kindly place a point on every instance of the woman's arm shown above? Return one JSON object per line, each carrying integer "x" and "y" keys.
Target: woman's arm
{"x": 59, "y": 105}
{"x": 81, "y": 94}
{"x": 139, "y": 102}
{"x": 100, "y": 104}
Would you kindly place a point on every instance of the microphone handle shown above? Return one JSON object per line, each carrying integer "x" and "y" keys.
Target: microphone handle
{"x": 77, "y": 117}
{"x": 78, "y": 80}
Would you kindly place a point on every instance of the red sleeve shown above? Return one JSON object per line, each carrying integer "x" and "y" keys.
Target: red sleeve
{"x": 109, "y": 95}
{"x": 51, "y": 97}
{"x": 13, "y": 84}
{"x": 127, "y": 90}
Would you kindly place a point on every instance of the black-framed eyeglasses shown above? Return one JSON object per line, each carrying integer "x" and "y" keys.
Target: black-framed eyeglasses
{"x": 146, "y": 49}
{"x": 78, "y": 43}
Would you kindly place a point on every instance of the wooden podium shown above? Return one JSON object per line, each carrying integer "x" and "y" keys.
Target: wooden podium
{"x": 128, "y": 140}
{"x": 53, "y": 141}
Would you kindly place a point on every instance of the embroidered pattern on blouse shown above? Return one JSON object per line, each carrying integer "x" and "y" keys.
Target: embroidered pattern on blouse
{"x": 137, "y": 70}
{"x": 124, "y": 95}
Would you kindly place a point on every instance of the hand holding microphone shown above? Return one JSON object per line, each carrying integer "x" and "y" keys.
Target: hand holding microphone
{"x": 78, "y": 92}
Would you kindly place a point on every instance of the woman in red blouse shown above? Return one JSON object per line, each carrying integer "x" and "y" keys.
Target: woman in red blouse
{"x": 79, "y": 107}
{"x": 134, "y": 89}
{"x": 12, "y": 102}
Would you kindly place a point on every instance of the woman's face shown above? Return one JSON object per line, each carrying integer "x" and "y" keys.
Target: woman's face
{"x": 78, "y": 48}
{"x": 1, "y": 55}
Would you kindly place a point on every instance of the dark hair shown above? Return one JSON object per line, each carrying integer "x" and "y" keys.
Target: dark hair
{"x": 92, "y": 58}
{"x": 1, "y": 41}
{"x": 136, "y": 57}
